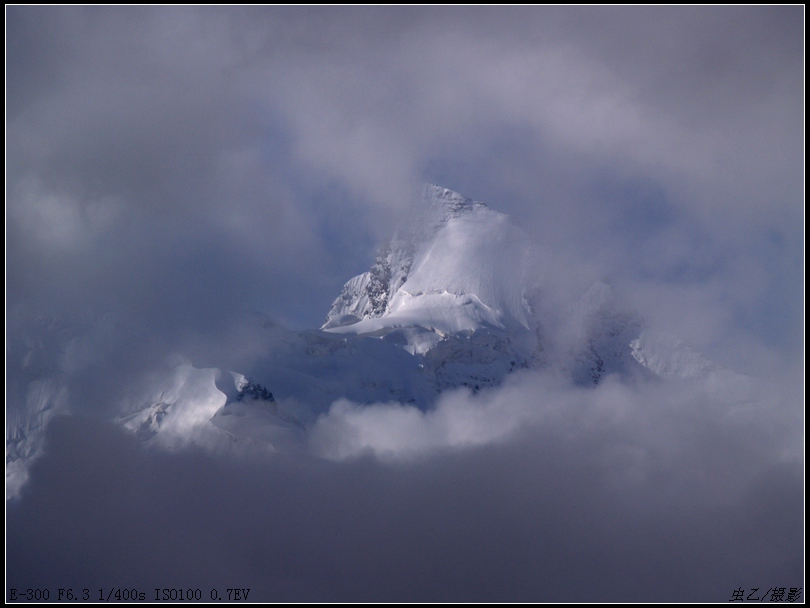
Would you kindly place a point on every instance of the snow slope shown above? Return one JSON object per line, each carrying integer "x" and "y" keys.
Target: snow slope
{"x": 462, "y": 270}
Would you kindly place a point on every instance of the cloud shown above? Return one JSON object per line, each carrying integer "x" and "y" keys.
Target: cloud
{"x": 186, "y": 129}
{"x": 650, "y": 417}
{"x": 595, "y": 489}
{"x": 397, "y": 431}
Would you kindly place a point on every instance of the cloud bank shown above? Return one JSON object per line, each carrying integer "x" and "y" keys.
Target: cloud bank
{"x": 616, "y": 494}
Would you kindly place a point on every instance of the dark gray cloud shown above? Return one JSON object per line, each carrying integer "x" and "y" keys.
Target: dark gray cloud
{"x": 541, "y": 518}
{"x": 169, "y": 168}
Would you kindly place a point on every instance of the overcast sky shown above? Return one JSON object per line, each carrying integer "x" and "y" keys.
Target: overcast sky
{"x": 170, "y": 168}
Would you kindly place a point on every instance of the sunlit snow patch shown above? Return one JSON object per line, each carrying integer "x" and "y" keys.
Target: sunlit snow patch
{"x": 211, "y": 408}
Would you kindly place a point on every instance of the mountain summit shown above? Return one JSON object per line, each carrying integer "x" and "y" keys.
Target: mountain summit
{"x": 463, "y": 269}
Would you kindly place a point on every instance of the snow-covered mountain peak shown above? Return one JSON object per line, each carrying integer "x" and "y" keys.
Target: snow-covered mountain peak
{"x": 465, "y": 270}
{"x": 449, "y": 204}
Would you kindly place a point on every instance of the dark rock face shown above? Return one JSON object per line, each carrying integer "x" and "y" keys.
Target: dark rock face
{"x": 378, "y": 288}
{"x": 605, "y": 349}
{"x": 255, "y": 391}
{"x": 384, "y": 278}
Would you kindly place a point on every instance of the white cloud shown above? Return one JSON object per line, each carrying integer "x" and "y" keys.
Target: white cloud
{"x": 635, "y": 431}
{"x": 394, "y": 431}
